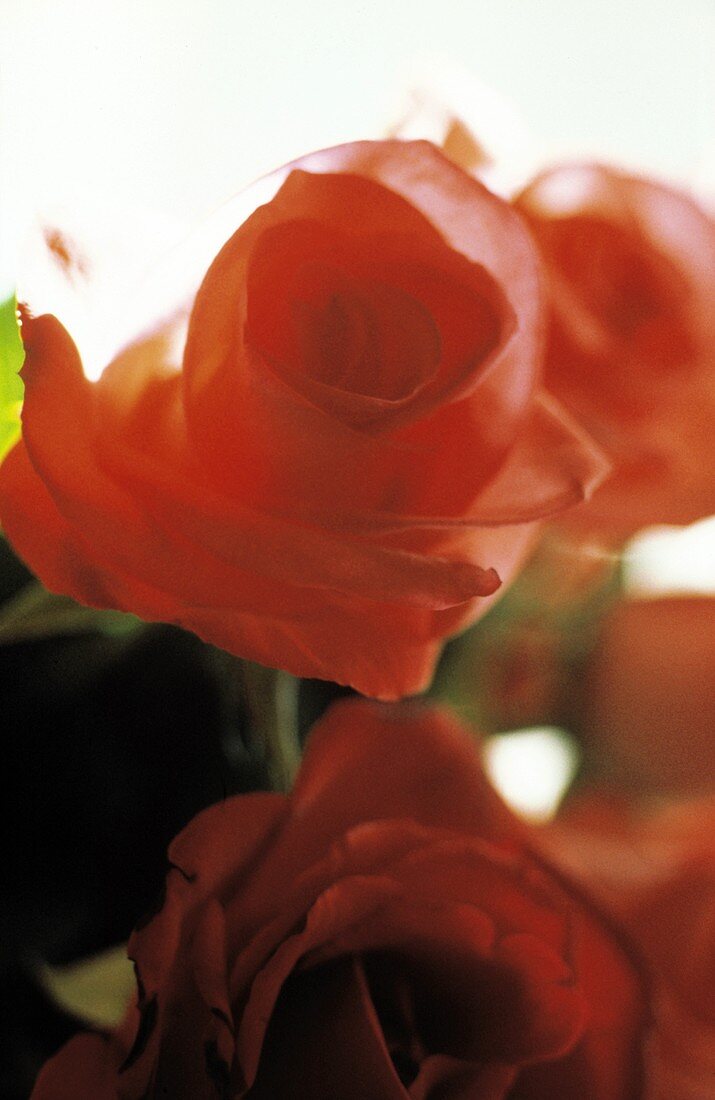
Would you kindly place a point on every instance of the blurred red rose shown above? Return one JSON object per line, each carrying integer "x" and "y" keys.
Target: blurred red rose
{"x": 647, "y": 694}
{"x": 656, "y": 873}
{"x": 631, "y": 269}
{"x": 355, "y": 451}
{"x": 382, "y": 933}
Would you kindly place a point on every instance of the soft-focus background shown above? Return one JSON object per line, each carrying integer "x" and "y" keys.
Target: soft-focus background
{"x": 167, "y": 107}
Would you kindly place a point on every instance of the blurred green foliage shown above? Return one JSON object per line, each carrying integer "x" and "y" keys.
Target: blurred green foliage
{"x": 11, "y": 357}
{"x": 97, "y": 990}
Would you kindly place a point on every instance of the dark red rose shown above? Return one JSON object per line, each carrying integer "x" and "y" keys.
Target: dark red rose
{"x": 382, "y": 933}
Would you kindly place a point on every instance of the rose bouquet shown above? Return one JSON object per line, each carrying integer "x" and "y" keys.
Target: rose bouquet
{"x": 392, "y": 403}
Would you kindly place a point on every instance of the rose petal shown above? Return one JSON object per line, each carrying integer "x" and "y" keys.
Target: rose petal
{"x": 218, "y": 843}
{"x": 496, "y": 246}
{"x": 428, "y": 771}
{"x": 553, "y": 465}
{"x": 60, "y": 415}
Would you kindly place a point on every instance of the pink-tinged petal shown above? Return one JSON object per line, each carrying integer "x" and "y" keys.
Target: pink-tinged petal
{"x": 149, "y": 360}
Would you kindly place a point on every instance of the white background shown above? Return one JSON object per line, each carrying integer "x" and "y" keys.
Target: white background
{"x": 169, "y": 106}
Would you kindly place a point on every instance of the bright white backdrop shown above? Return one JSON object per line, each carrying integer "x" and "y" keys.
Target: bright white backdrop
{"x": 169, "y": 106}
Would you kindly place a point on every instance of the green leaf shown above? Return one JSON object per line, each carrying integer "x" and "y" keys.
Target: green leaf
{"x": 98, "y": 990}
{"x": 11, "y": 357}
{"x": 34, "y": 613}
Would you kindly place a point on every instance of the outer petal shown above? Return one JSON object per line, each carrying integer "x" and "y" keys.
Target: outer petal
{"x": 537, "y": 1012}
{"x": 552, "y": 466}
{"x": 132, "y": 531}
{"x": 130, "y": 496}
{"x": 27, "y": 509}
{"x": 655, "y": 871}
{"x": 608, "y": 1062}
{"x": 428, "y": 773}
{"x": 221, "y": 843}
{"x": 218, "y": 845}
{"x": 329, "y": 639}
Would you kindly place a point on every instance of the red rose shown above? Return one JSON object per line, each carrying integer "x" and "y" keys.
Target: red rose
{"x": 648, "y": 694}
{"x": 381, "y": 933}
{"x": 354, "y": 452}
{"x": 656, "y": 873}
{"x": 631, "y": 267}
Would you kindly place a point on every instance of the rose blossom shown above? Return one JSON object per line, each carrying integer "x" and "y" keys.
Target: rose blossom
{"x": 356, "y": 447}
{"x": 631, "y": 351}
{"x": 383, "y": 932}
